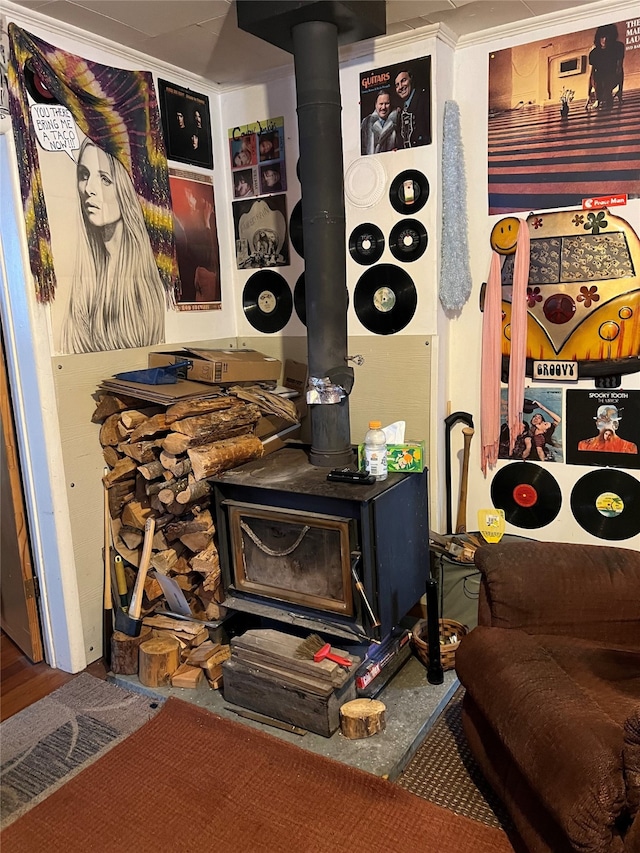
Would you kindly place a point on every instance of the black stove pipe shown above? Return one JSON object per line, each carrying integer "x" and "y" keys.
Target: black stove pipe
{"x": 315, "y": 49}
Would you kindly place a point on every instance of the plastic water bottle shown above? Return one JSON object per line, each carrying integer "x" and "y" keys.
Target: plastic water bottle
{"x": 375, "y": 451}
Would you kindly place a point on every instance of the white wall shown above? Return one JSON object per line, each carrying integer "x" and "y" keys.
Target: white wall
{"x": 471, "y": 72}
{"x": 396, "y": 381}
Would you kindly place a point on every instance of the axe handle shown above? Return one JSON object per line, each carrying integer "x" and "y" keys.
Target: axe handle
{"x": 461, "y": 523}
{"x": 135, "y": 606}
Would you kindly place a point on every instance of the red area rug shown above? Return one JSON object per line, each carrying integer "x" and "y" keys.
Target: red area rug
{"x": 191, "y": 781}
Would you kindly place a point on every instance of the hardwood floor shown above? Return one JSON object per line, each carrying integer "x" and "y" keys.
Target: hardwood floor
{"x": 22, "y": 683}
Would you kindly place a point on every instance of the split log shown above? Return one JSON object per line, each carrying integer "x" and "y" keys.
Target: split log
{"x": 177, "y": 443}
{"x": 132, "y": 537}
{"x": 187, "y": 676}
{"x": 179, "y": 466}
{"x": 124, "y": 651}
{"x": 164, "y": 561}
{"x": 206, "y": 561}
{"x": 202, "y": 522}
{"x": 247, "y": 413}
{"x": 119, "y": 495}
{"x": 157, "y": 486}
{"x": 152, "y": 426}
{"x": 109, "y": 434}
{"x": 199, "y": 655}
{"x": 158, "y": 659}
{"x": 188, "y": 408}
{"x": 152, "y": 470}
{"x": 141, "y": 451}
{"x": 135, "y": 515}
{"x": 110, "y": 456}
{"x": 123, "y": 470}
{"x": 180, "y": 567}
{"x": 212, "y": 459}
{"x": 132, "y": 418}
{"x": 197, "y": 542}
{"x": 110, "y": 404}
{"x": 362, "y": 718}
{"x": 193, "y": 492}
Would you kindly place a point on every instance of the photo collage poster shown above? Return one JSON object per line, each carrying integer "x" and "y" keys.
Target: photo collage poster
{"x": 541, "y": 439}
{"x": 603, "y": 428}
{"x": 258, "y": 174}
{"x": 395, "y": 106}
{"x": 197, "y": 251}
{"x": 257, "y": 158}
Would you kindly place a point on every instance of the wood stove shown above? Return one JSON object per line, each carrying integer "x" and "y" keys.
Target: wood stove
{"x": 323, "y": 556}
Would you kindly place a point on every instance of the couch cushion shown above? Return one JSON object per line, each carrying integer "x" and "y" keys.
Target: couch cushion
{"x": 585, "y": 591}
{"x": 564, "y": 733}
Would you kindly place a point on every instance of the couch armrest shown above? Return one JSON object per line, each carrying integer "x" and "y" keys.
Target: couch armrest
{"x": 586, "y": 591}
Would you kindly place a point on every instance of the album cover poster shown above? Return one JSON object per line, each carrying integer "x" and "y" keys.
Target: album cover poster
{"x": 186, "y": 125}
{"x": 257, "y": 158}
{"x": 395, "y": 106}
{"x": 194, "y": 226}
{"x": 563, "y": 115}
{"x": 541, "y": 439}
{"x": 603, "y": 428}
{"x": 261, "y": 234}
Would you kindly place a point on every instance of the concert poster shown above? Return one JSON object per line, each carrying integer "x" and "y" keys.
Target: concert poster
{"x": 395, "y": 106}
{"x": 603, "y": 428}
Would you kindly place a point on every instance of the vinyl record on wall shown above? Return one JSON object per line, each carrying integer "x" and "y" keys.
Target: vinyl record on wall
{"x": 295, "y": 229}
{"x": 605, "y": 503}
{"x": 36, "y": 87}
{"x": 385, "y": 299}
{"x": 366, "y": 243}
{"x": 408, "y": 240}
{"x": 409, "y": 192}
{"x": 529, "y": 495}
{"x": 267, "y": 301}
{"x": 299, "y": 300}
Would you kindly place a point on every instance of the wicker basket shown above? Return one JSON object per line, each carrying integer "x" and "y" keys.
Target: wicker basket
{"x": 448, "y": 630}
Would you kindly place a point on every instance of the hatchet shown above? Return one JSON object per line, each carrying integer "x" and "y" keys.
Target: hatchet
{"x": 129, "y": 622}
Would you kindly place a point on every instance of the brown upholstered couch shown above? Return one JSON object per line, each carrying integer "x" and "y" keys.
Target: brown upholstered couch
{"x": 552, "y": 703}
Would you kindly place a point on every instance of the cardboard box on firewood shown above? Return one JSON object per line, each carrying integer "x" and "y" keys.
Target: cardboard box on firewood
{"x": 222, "y": 366}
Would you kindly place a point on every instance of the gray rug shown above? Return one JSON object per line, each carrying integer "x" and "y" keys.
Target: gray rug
{"x": 46, "y": 744}
{"x": 444, "y": 772}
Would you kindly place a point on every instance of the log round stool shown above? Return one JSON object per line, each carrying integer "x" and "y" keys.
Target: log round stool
{"x": 362, "y": 718}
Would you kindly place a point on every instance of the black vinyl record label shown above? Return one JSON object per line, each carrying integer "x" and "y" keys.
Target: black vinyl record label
{"x": 409, "y": 192}
{"x": 408, "y": 240}
{"x": 267, "y": 301}
{"x": 529, "y": 495}
{"x": 295, "y": 229}
{"x": 385, "y": 299}
{"x": 606, "y": 503}
{"x": 366, "y": 243}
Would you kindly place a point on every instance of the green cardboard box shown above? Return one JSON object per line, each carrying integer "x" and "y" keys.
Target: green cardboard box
{"x": 401, "y": 458}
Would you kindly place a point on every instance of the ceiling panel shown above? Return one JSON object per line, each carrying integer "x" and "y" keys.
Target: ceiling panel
{"x": 201, "y": 36}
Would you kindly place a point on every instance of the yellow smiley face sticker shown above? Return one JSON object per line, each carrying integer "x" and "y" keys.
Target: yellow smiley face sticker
{"x": 504, "y": 235}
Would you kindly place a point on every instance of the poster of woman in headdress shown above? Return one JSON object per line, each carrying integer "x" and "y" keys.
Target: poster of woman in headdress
{"x": 95, "y": 192}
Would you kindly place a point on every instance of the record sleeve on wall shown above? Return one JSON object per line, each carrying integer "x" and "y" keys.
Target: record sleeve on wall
{"x": 395, "y": 106}
{"x": 194, "y": 226}
{"x": 541, "y": 439}
{"x": 186, "y": 124}
{"x": 256, "y": 153}
{"x": 603, "y": 428}
{"x": 261, "y": 232}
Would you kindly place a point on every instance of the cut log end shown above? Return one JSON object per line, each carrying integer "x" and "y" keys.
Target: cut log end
{"x": 362, "y": 718}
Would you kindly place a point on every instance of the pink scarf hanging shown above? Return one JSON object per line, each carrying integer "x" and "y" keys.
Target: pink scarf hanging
{"x": 491, "y": 367}
{"x": 517, "y": 359}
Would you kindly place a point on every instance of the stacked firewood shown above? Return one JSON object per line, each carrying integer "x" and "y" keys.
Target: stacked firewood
{"x": 158, "y": 461}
